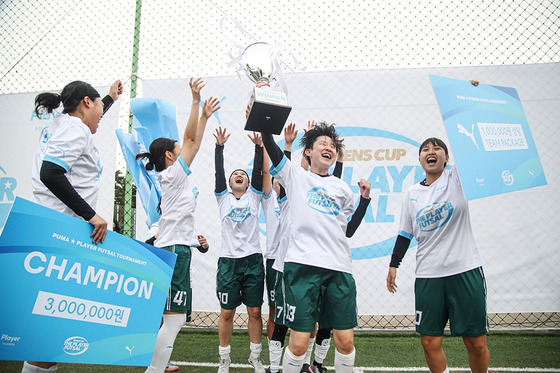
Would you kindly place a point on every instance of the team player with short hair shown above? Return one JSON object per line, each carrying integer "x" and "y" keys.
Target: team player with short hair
{"x": 319, "y": 286}
{"x": 450, "y": 284}
{"x": 240, "y": 276}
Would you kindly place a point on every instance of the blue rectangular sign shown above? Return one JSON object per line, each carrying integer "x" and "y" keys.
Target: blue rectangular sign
{"x": 491, "y": 140}
{"x": 65, "y": 299}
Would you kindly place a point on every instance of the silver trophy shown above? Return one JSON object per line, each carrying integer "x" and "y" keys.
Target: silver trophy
{"x": 268, "y": 107}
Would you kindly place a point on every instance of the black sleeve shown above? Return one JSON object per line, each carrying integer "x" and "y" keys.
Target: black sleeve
{"x": 107, "y": 103}
{"x": 151, "y": 240}
{"x": 273, "y": 150}
{"x": 256, "y": 175}
{"x": 337, "y": 169}
{"x": 401, "y": 246}
{"x": 203, "y": 250}
{"x": 54, "y": 178}
{"x": 357, "y": 216}
{"x": 220, "y": 173}
{"x": 282, "y": 193}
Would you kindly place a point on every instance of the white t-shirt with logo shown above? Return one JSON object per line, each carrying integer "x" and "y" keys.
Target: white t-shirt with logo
{"x": 178, "y": 202}
{"x": 272, "y": 216}
{"x": 438, "y": 217}
{"x": 319, "y": 212}
{"x": 68, "y": 142}
{"x": 240, "y": 223}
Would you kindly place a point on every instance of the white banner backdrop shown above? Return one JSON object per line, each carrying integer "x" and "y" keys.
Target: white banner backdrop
{"x": 383, "y": 116}
{"x": 20, "y": 129}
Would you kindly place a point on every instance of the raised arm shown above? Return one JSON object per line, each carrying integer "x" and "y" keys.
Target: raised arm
{"x": 266, "y": 178}
{"x": 210, "y": 107}
{"x": 272, "y": 149}
{"x": 256, "y": 176}
{"x": 188, "y": 149}
{"x": 221, "y": 138}
{"x": 339, "y": 159}
{"x": 115, "y": 91}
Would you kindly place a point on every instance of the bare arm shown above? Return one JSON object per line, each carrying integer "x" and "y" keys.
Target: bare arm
{"x": 188, "y": 150}
{"x": 210, "y": 106}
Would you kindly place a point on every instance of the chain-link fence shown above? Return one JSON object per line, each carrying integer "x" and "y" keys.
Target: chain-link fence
{"x": 46, "y": 45}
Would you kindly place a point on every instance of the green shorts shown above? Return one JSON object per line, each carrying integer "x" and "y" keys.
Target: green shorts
{"x": 315, "y": 294}
{"x": 271, "y": 275}
{"x": 460, "y": 298}
{"x": 240, "y": 280}
{"x": 179, "y": 298}
{"x": 279, "y": 304}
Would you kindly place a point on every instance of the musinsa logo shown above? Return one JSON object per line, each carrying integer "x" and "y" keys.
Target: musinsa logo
{"x": 75, "y": 345}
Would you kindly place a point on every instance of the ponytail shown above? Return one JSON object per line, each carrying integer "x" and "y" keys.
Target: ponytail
{"x": 71, "y": 96}
{"x": 156, "y": 156}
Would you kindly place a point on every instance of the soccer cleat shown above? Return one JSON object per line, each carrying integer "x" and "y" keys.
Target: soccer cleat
{"x": 306, "y": 368}
{"x": 257, "y": 364}
{"x": 224, "y": 365}
{"x": 171, "y": 367}
{"x": 319, "y": 368}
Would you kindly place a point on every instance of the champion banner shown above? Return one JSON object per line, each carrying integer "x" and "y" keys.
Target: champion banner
{"x": 65, "y": 299}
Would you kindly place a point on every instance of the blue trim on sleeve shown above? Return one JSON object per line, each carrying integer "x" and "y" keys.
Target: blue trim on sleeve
{"x": 221, "y": 193}
{"x": 256, "y": 191}
{"x": 406, "y": 235}
{"x": 184, "y": 165}
{"x": 274, "y": 170}
{"x": 57, "y": 161}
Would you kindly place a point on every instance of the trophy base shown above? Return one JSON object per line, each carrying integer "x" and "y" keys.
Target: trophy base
{"x": 267, "y": 117}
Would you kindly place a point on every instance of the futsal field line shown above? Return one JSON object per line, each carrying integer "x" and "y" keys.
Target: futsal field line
{"x": 383, "y": 369}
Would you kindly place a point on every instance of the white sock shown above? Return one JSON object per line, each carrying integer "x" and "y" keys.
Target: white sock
{"x": 224, "y": 352}
{"x": 307, "y": 357}
{"x": 274, "y": 354}
{"x": 172, "y": 324}
{"x": 28, "y": 368}
{"x": 291, "y": 363}
{"x": 446, "y": 370}
{"x": 322, "y": 350}
{"x": 344, "y": 363}
{"x": 256, "y": 349}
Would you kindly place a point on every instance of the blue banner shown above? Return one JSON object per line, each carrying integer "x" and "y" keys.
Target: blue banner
{"x": 65, "y": 299}
{"x": 153, "y": 118}
{"x": 491, "y": 140}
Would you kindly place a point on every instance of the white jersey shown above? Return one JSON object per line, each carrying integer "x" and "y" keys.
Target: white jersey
{"x": 240, "y": 223}
{"x": 68, "y": 142}
{"x": 278, "y": 264}
{"x": 272, "y": 216}
{"x": 178, "y": 202}
{"x": 438, "y": 217}
{"x": 319, "y": 212}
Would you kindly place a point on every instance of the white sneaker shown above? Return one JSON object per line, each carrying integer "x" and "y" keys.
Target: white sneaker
{"x": 257, "y": 364}
{"x": 224, "y": 365}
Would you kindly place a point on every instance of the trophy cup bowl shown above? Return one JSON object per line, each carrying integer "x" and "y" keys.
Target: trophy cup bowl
{"x": 258, "y": 63}
{"x": 268, "y": 107}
